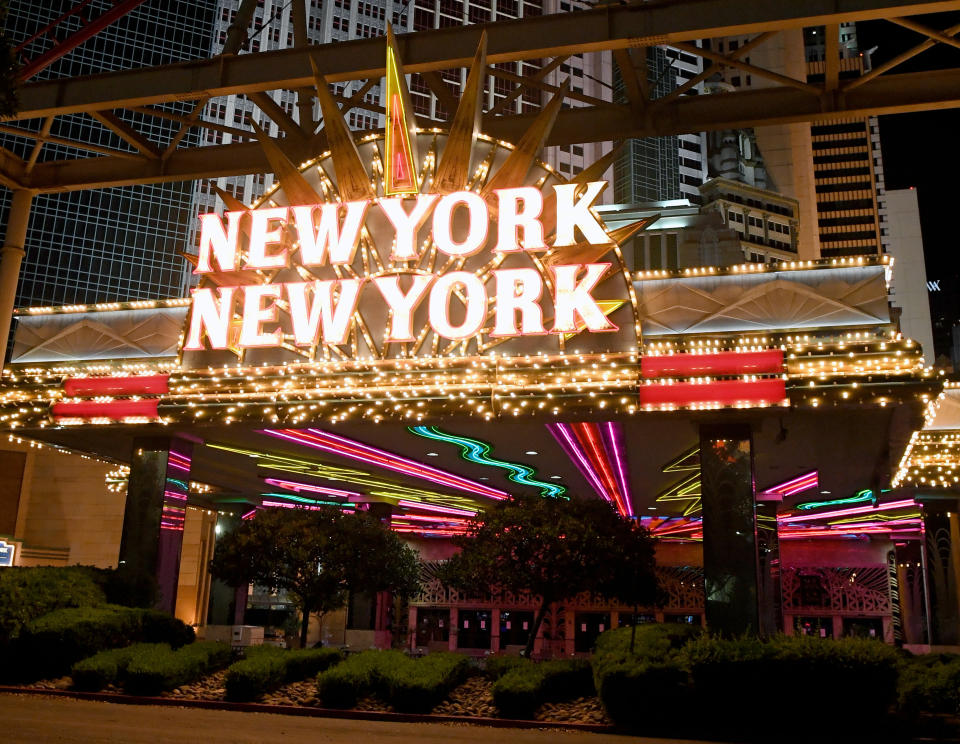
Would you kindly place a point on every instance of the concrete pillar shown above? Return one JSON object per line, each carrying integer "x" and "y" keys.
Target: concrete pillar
{"x": 495, "y": 630}
{"x": 942, "y": 557}
{"x": 452, "y": 637}
{"x": 11, "y": 256}
{"x": 155, "y": 512}
{"x": 729, "y": 529}
{"x": 769, "y": 599}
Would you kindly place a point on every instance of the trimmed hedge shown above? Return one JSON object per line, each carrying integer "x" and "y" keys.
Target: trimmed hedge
{"x": 105, "y": 668}
{"x": 738, "y": 685}
{"x": 29, "y": 593}
{"x": 524, "y": 688}
{"x": 265, "y": 670}
{"x": 50, "y": 645}
{"x": 930, "y": 683}
{"x": 156, "y": 668}
{"x": 409, "y": 685}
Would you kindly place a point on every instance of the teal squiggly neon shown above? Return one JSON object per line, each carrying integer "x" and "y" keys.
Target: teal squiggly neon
{"x": 865, "y": 495}
{"x": 476, "y": 451}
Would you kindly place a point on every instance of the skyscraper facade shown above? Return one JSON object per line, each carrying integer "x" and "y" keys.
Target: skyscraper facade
{"x": 117, "y": 244}
{"x": 343, "y": 20}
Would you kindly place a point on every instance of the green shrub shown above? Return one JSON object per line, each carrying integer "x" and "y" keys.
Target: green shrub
{"x": 527, "y": 685}
{"x": 51, "y": 644}
{"x": 653, "y": 641}
{"x": 496, "y": 666}
{"x": 263, "y": 671}
{"x": 410, "y": 685}
{"x": 105, "y": 668}
{"x": 31, "y": 592}
{"x": 157, "y": 668}
{"x": 930, "y": 683}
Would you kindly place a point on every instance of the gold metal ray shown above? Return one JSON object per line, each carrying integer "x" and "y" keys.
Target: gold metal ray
{"x": 400, "y": 140}
{"x": 295, "y": 186}
{"x": 589, "y": 253}
{"x": 232, "y": 203}
{"x": 514, "y": 170}
{"x": 453, "y": 171}
{"x": 592, "y": 172}
{"x": 353, "y": 182}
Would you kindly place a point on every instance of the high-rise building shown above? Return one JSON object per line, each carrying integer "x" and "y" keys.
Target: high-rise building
{"x": 847, "y": 162}
{"x": 106, "y": 245}
{"x": 343, "y": 20}
{"x": 661, "y": 168}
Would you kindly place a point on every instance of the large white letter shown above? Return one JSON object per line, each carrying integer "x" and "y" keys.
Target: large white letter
{"x": 206, "y": 314}
{"x": 255, "y": 315}
{"x": 402, "y": 305}
{"x": 406, "y": 225}
{"x": 261, "y": 236}
{"x": 573, "y": 297}
{"x": 476, "y": 301}
{"x": 477, "y": 220}
{"x": 510, "y": 219}
{"x": 328, "y": 241}
{"x": 518, "y": 289}
{"x": 222, "y": 243}
{"x": 572, "y": 214}
{"x": 334, "y": 321}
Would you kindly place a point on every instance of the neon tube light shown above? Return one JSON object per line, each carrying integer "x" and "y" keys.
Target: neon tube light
{"x": 304, "y": 499}
{"x": 310, "y": 488}
{"x": 795, "y": 485}
{"x": 567, "y": 442}
{"x": 847, "y": 512}
{"x": 473, "y": 450}
{"x": 615, "y": 438}
{"x": 435, "y": 508}
{"x": 594, "y": 450}
{"x": 859, "y": 497}
{"x": 355, "y": 450}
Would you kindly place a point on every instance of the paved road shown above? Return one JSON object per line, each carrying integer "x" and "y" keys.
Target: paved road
{"x": 31, "y": 718}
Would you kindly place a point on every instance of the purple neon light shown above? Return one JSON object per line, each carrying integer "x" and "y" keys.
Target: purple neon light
{"x": 568, "y": 444}
{"x": 848, "y": 512}
{"x": 297, "y": 487}
{"x": 387, "y": 460}
{"x": 615, "y": 442}
{"x": 435, "y": 508}
{"x": 796, "y": 485}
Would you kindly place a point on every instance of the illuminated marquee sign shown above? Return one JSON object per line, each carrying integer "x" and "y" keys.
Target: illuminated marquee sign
{"x": 459, "y": 225}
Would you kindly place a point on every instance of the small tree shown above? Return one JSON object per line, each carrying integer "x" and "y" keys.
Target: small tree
{"x": 317, "y": 556}
{"x": 556, "y": 550}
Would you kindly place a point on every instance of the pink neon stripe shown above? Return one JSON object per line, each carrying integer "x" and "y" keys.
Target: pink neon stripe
{"x": 297, "y": 487}
{"x": 365, "y": 453}
{"x": 847, "y": 512}
{"x": 435, "y": 508}
{"x": 573, "y": 452}
{"x": 615, "y": 439}
{"x": 429, "y": 518}
{"x": 599, "y": 460}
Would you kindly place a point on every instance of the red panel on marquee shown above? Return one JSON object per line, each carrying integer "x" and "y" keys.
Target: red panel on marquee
{"x": 726, "y": 392}
{"x": 143, "y": 385}
{"x": 114, "y": 409}
{"x": 719, "y": 363}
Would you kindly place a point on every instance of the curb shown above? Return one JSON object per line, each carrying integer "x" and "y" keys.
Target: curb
{"x": 297, "y": 710}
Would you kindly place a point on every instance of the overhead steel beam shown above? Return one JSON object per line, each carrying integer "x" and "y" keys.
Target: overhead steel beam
{"x": 608, "y": 28}
{"x": 889, "y": 94}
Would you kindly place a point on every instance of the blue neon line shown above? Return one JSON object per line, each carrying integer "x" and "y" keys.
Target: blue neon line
{"x": 304, "y": 499}
{"x": 473, "y": 450}
{"x": 865, "y": 495}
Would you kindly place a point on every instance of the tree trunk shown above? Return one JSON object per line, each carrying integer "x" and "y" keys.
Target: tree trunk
{"x": 304, "y": 627}
{"x": 537, "y": 622}
{"x": 633, "y": 628}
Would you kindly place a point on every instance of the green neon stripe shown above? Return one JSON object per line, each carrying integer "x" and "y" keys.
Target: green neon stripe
{"x": 859, "y": 497}
{"x": 473, "y": 450}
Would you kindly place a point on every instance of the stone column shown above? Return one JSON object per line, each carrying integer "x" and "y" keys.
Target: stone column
{"x": 11, "y": 256}
{"x": 729, "y": 529}
{"x": 769, "y": 598}
{"x": 154, "y": 516}
{"x": 942, "y": 557}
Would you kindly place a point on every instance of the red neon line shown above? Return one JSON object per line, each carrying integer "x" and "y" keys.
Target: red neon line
{"x": 721, "y": 391}
{"x": 719, "y": 363}
{"x": 587, "y": 436}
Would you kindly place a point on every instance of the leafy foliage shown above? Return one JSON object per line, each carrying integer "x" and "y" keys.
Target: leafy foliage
{"x": 29, "y": 593}
{"x": 555, "y": 550}
{"x": 410, "y": 685}
{"x": 930, "y": 683}
{"x": 49, "y": 645}
{"x": 155, "y": 668}
{"x": 105, "y": 668}
{"x": 271, "y": 667}
{"x": 317, "y": 556}
{"x": 527, "y": 685}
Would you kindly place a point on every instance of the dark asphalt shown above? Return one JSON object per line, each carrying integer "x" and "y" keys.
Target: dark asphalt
{"x": 32, "y": 718}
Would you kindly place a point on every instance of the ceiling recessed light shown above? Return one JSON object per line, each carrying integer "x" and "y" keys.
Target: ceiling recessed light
{"x": 532, "y": 452}
{"x": 826, "y": 492}
{"x": 432, "y": 454}
{"x": 483, "y": 477}
{"x": 652, "y": 507}
{"x": 555, "y": 477}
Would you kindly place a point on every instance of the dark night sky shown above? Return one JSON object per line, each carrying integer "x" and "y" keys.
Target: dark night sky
{"x": 923, "y": 150}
